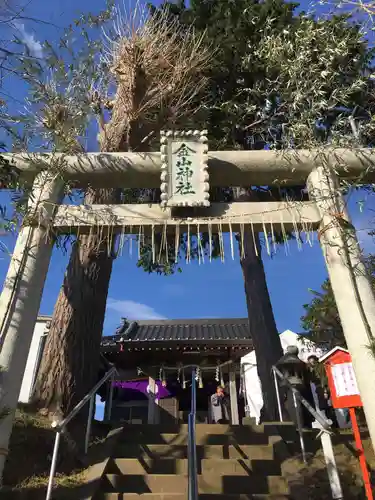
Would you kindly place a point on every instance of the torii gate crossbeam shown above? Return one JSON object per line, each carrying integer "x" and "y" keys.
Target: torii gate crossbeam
{"x": 227, "y": 168}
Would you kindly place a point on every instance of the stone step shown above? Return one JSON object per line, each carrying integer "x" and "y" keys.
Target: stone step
{"x": 207, "y": 483}
{"x": 203, "y": 437}
{"x": 157, "y": 451}
{"x": 177, "y": 428}
{"x": 207, "y": 428}
{"x": 231, "y": 467}
{"x": 174, "y": 496}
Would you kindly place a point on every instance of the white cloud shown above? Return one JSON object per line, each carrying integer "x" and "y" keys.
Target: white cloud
{"x": 30, "y": 41}
{"x": 133, "y": 310}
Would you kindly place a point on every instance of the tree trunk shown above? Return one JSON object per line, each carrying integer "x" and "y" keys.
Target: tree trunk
{"x": 70, "y": 363}
{"x": 262, "y": 323}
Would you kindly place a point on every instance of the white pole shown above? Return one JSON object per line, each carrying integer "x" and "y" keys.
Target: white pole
{"x": 278, "y": 395}
{"x": 89, "y": 423}
{"x": 233, "y": 395}
{"x": 21, "y": 295}
{"x": 350, "y": 283}
{"x": 243, "y": 375}
{"x": 297, "y": 409}
{"x": 333, "y": 473}
{"x": 329, "y": 456}
{"x": 53, "y": 465}
{"x": 151, "y": 400}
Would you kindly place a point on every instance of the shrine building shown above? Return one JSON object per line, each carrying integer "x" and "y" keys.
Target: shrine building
{"x": 161, "y": 354}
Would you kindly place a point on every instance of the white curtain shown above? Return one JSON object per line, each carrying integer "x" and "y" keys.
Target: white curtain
{"x": 251, "y": 382}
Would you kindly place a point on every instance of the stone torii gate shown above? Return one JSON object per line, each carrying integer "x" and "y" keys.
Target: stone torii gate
{"x": 326, "y": 212}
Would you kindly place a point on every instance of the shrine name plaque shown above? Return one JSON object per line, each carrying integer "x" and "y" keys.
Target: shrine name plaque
{"x": 184, "y": 176}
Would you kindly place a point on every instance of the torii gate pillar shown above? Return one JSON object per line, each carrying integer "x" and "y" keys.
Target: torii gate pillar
{"x": 349, "y": 280}
{"x": 21, "y": 296}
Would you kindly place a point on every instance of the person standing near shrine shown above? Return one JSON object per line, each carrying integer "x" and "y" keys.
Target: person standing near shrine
{"x": 317, "y": 381}
{"x": 317, "y": 378}
{"x": 219, "y": 406}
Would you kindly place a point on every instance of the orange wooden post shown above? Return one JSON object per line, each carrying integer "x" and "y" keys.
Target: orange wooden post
{"x": 361, "y": 454}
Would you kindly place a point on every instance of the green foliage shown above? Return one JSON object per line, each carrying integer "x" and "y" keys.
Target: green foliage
{"x": 319, "y": 84}
{"x": 9, "y": 174}
{"x": 321, "y": 320}
{"x": 60, "y": 88}
{"x": 59, "y": 104}
{"x": 276, "y": 82}
{"x": 164, "y": 261}
{"x": 60, "y": 93}
{"x": 10, "y": 180}
{"x": 235, "y": 29}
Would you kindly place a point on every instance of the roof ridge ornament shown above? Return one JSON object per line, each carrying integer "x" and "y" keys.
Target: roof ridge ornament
{"x": 125, "y": 329}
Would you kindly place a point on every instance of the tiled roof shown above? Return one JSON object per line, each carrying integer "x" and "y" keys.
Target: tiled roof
{"x": 194, "y": 330}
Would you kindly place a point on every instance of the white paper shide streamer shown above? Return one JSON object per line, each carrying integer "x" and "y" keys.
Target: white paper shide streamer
{"x": 203, "y": 237}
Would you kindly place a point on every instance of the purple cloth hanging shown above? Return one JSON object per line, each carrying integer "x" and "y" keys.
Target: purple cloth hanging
{"x": 141, "y": 386}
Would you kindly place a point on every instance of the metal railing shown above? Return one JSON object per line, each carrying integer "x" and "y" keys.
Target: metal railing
{"x": 321, "y": 423}
{"x": 60, "y": 426}
{"x": 192, "y": 444}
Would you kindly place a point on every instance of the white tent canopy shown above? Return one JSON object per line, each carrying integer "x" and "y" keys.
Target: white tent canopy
{"x": 251, "y": 382}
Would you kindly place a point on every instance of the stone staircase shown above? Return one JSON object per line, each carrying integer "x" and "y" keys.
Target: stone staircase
{"x": 234, "y": 462}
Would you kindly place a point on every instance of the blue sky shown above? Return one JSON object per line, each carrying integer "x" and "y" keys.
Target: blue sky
{"x": 209, "y": 290}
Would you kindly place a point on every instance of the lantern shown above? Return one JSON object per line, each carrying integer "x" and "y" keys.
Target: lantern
{"x": 294, "y": 370}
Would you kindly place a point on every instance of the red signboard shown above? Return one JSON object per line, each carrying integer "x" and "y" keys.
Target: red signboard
{"x": 345, "y": 394}
{"x": 341, "y": 379}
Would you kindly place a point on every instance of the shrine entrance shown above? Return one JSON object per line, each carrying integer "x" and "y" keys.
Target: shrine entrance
{"x": 203, "y": 415}
{"x": 172, "y": 403}
{"x": 185, "y": 170}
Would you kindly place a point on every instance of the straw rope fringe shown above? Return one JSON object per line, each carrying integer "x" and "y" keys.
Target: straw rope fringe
{"x": 162, "y": 246}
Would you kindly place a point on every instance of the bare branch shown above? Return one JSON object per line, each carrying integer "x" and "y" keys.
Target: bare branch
{"x": 158, "y": 66}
